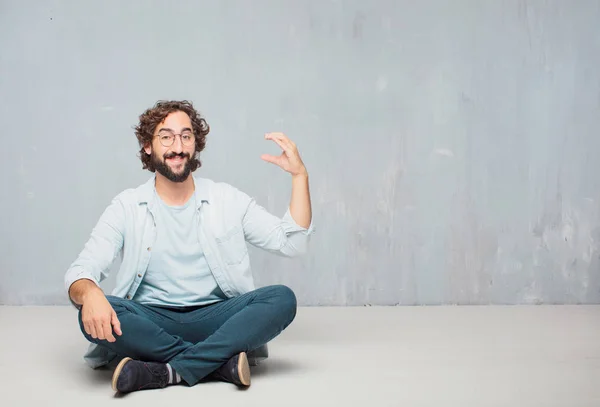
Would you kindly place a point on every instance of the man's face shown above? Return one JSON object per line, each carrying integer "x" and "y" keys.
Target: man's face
{"x": 173, "y": 161}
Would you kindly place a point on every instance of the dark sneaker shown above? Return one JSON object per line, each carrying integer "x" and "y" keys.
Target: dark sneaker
{"x": 132, "y": 375}
{"x": 236, "y": 370}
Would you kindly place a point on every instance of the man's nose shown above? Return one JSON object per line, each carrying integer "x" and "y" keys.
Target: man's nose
{"x": 177, "y": 145}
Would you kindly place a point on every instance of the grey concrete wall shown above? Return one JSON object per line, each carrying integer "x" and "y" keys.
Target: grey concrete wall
{"x": 452, "y": 145}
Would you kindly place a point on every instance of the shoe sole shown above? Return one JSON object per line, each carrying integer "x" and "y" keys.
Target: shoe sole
{"x": 244, "y": 369}
{"x": 118, "y": 372}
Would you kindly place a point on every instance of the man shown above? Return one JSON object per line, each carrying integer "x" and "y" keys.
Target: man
{"x": 185, "y": 307}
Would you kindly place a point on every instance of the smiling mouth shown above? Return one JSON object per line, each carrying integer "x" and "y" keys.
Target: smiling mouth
{"x": 176, "y": 159}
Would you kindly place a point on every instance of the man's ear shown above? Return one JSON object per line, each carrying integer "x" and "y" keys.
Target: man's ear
{"x": 148, "y": 149}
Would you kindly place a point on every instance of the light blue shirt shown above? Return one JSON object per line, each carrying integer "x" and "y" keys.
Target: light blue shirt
{"x": 178, "y": 274}
{"x": 225, "y": 220}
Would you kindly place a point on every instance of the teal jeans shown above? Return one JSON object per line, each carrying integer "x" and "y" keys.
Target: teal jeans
{"x": 196, "y": 341}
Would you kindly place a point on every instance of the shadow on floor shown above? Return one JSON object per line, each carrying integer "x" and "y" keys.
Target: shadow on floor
{"x": 275, "y": 367}
{"x": 100, "y": 376}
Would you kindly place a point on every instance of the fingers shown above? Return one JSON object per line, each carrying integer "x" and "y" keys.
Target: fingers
{"x": 290, "y": 160}
{"x": 99, "y": 327}
{"x": 107, "y": 328}
{"x": 280, "y": 142}
{"x": 281, "y": 137}
{"x": 116, "y": 324}
{"x": 269, "y": 158}
{"x": 102, "y": 328}
{"x": 97, "y": 330}
{"x": 277, "y": 135}
{"x": 91, "y": 330}
{"x": 99, "y": 318}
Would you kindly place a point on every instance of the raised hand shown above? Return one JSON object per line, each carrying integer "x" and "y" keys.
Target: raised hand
{"x": 289, "y": 160}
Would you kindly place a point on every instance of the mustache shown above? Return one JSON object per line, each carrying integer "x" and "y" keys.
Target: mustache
{"x": 173, "y": 155}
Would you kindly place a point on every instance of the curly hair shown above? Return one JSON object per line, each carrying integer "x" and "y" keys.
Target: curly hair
{"x": 153, "y": 116}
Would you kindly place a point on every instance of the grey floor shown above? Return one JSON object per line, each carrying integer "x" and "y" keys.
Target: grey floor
{"x": 401, "y": 356}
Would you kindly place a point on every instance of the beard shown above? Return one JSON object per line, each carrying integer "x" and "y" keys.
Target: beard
{"x": 163, "y": 168}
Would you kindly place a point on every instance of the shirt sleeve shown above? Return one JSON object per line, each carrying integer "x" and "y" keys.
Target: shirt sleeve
{"x": 101, "y": 249}
{"x": 279, "y": 235}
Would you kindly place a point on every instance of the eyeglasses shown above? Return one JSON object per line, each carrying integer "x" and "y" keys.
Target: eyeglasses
{"x": 167, "y": 138}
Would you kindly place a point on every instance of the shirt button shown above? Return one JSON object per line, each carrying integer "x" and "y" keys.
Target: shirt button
{"x": 139, "y": 275}
{"x": 129, "y": 297}
{"x": 149, "y": 249}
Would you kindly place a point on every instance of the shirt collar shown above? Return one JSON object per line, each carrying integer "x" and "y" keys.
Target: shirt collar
{"x": 146, "y": 192}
